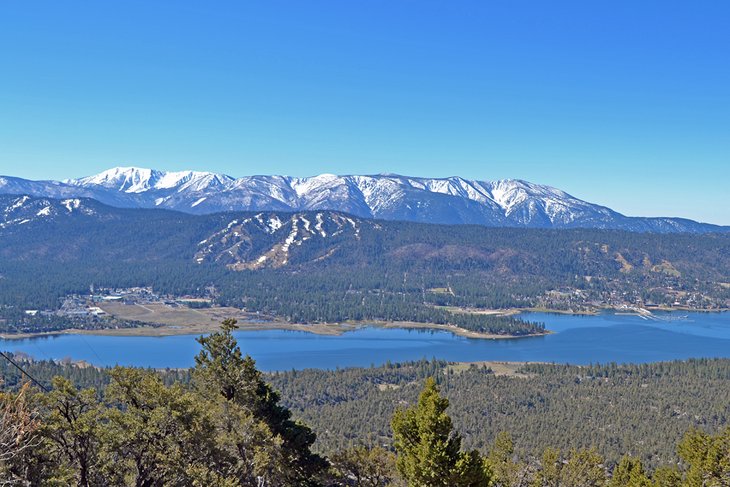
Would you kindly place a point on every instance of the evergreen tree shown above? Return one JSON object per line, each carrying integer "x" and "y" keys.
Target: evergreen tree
{"x": 584, "y": 468}
{"x": 361, "y": 466}
{"x": 429, "y": 450}
{"x": 74, "y": 428}
{"x": 161, "y": 436}
{"x": 549, "y": 473}
{"x": 501, "y": 461}
{"x": 666, "y": 476}
{"x": 707, "y": 457}
{"x": 272, "y": 449}
{"x": 629, "y": 473}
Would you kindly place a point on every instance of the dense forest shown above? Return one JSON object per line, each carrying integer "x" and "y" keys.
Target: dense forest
{"x": 338, "y": 268}
{"x": 639, "y": 409}
{"x": 418, "y": 424}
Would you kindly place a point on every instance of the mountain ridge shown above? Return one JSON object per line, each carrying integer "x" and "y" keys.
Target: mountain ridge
{"x": 325, "y": 266}
{"x": 451, "y": 200}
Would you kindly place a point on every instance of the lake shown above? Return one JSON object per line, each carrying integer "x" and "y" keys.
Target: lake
{"x": 603, "y": 338}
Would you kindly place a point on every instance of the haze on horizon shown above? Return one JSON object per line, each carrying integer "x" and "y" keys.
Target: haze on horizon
{"x": 626, "y": 105}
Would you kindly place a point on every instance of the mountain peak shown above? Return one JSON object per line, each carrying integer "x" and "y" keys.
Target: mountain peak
{"x": 452, "y": 200}
{"x": 123, "y": 179}
{"x": 141, "y": 180}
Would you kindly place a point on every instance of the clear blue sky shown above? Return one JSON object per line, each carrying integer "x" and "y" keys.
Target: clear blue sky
{"x": 623, "y": 103}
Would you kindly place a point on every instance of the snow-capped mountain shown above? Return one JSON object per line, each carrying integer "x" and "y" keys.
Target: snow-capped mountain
{"x": 25, "y": 210}
{"x": 137, "y": 180}
{"x": 454, "y": 200}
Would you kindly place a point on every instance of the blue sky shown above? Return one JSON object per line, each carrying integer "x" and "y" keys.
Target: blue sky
{"x": 626, "y": 104}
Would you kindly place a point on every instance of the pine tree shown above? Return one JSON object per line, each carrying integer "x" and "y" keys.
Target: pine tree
{"x": 708, "y": 457}
{"x": 361, "y": 466}
{"x": 549, "y": 473}
{"x": 501, "y": 461}
{"x": 429, "y": 450}
{"x": 160, "y": 435}
{"x": 74, "y": 428}
{"x": 666, "y": 476}
{"x": 584, "y": 468}
{"x": 629, "y": 473}
{"x": 271, "y": 448}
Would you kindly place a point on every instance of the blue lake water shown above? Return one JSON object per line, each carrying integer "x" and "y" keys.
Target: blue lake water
{"x": 577, "y": 339}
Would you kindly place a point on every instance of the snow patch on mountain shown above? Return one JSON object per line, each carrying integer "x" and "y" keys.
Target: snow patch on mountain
{"x": 318, "y": 225}
{"x": 272, "y": 240}
{"x": 17, "y": 204}
{"x": 274, "y": 224}
{"x": 198, "y": 201}
{"x": 25, "y": 209}
{"x": 71, "y": 204}
{"x": 454, "y": 200}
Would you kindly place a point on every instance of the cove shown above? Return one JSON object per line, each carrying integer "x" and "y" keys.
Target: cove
{"x": 603, "y": 338}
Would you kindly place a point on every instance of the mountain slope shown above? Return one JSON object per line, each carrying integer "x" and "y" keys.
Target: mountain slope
{"x": 324, "y": 266}
{"x": 82, "y": 233}
{"x": 503, "y": 203}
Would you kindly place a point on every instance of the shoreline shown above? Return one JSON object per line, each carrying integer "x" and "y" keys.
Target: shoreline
{"x": 453, "y": 329}
{"x": 594, "y": 311}
{"x": 324, "y": 329}
{"x": 337, "y": 329}
{"x": 586, "y": 312}
{"x": 622, "y": 310}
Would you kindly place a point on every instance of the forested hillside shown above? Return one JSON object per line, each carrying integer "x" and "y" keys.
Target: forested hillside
{"x": 330, "y": 267}
{"x": 639, "y": 409}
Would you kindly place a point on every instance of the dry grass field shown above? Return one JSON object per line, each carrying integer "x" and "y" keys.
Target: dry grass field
{"x": 177, "y": 320}
{"x": 509, "y": 369}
